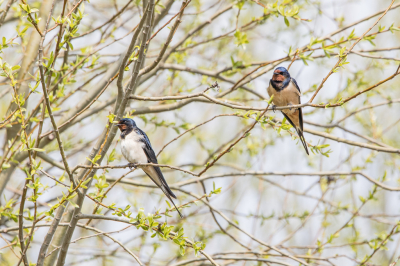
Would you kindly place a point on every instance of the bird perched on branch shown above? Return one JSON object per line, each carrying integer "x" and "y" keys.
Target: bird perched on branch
{"x": 286, "y": 92}
{"x": 136, "y": 148}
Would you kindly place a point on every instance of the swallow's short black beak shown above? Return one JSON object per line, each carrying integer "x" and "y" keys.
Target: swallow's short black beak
{"x": 119, "y": 124}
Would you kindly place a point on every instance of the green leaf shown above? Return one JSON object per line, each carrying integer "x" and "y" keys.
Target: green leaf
{"x": 361, "y": 198}
{"x": 72, "y": 196}
{"x": 182, "y": 250}
{"x": 96, "y": 158}
{"x": 286, "y": 21}
{"x": 15, "y": 67}
{"x": 111, "y": 117}
{"x": 73, "y": 204}
{"x": 281, "y": 10}
{"x": 241, "y": 39}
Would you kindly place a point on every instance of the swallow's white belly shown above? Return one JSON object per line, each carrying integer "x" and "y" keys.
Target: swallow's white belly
{"x": 132, "y": 148}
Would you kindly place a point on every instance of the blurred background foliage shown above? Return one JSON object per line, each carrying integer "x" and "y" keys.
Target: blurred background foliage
{"x": 267, "y": 202}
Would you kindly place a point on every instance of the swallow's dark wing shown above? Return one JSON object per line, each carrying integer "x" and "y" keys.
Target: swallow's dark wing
{"x": 301, "y": 118}
{"x": 300, "y": 109}
{"x": 295, "y": 83}
{"x": 298, "y": 128}
{"x": 151, "y": 158}
{"x": 289, "y": 120}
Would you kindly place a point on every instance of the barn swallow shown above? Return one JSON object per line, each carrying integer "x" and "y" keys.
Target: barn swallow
{"x": 286, "y": 92}
{"x": 136, "y": 148}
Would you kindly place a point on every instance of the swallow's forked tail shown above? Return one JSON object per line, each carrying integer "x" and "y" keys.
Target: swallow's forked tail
{"x": 303, "y": 140}
{"x": 161, "y": 183}
{"x": 298, "y": 129}
{"x": 168, "y": 192}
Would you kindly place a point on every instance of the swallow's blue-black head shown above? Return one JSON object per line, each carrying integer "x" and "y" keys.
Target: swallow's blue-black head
{"x": 280, "y": 78}
{"x": 126, "y": 124}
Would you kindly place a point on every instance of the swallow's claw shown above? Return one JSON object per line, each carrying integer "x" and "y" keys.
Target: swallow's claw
{"x": 131, "y": 166}
{"x": 274, "y": 108}
{"x": 290, "y": 106}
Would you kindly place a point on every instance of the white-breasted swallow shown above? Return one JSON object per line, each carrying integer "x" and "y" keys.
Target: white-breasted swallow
{"x": 136, "y": 148}
{"x": 286, "y": 92}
